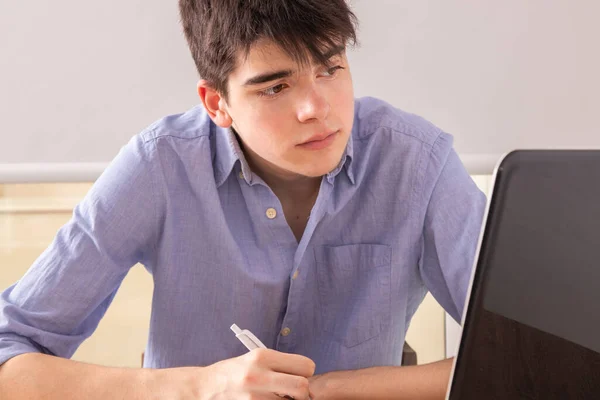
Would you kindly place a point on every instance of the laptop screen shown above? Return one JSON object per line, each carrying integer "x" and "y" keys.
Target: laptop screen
{"x": 532, "y": 329}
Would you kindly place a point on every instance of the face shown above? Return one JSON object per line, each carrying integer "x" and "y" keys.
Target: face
{"x": 293, "y": 120}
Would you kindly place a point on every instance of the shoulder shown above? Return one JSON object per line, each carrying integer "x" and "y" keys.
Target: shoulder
{"x": 175, "y": 136}
{"x": 192, "y": 124}
{"x": 373, "y": 116}
{"x": 399, "y": 134}
{"x": 175, "y": 144}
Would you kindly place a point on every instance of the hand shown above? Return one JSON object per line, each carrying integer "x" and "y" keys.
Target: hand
{"x": 317, "y": 385}
{"x": 259, "y": 374}
{"x": 331, "y": 385}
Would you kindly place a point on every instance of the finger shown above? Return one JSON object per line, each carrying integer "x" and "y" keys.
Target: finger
{"x": 257, "y": 395}
{"x": 262, "y": 395}
{"x": 288, "y": 385}
{"x": 293, "y": 364}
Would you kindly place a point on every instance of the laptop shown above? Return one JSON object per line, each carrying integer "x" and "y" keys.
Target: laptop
{"x": 531, "y": 326}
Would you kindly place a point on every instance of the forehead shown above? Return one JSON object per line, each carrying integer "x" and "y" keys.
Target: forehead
{"x": 264, "y": 54}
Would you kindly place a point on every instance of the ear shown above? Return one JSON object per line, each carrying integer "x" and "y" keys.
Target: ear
{"x": 214, "y": 104}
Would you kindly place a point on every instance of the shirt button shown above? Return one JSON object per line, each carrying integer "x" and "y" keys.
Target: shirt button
{"x": 295, "y": 275}
{"x": 241, "y": 175}
{"x": 285, "y": 331}
{"x": 271, "y": 213}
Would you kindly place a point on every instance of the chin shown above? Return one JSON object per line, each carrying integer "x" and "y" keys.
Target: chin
{"x": 322, "y": 168}
{"x": 317, "y": 165}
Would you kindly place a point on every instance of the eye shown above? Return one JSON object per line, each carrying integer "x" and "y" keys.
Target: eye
{"x": 332, "y": 71}
{"x": 272, "y": 91}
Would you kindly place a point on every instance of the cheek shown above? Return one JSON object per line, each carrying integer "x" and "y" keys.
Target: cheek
{"x": 265, "y": 130}
{"x": 343, "y": 98}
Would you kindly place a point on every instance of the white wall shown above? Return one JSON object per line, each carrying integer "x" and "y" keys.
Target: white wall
{"x": 498, "y": 75}
{"x": 79, "y": 79}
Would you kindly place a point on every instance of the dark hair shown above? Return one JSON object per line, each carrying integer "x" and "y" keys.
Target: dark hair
{"x": 217, "y": 30}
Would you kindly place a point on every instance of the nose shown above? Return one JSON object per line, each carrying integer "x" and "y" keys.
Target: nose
{"x": 313, "y": 106}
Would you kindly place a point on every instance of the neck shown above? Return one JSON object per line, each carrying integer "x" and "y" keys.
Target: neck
{"x": 298, "y": 189}
{"x": 286, "y": 185}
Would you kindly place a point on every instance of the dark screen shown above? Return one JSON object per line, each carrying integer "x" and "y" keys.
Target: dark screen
{"x": 532, "y": 329}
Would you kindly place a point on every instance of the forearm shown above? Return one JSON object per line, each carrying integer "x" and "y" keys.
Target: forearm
{"x": 39, "y": 376}
{"x": 429, "y": 381}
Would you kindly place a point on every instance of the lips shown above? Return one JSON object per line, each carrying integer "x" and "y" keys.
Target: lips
{"x": 319, "y": 137}
{"x": 319, "y": 142}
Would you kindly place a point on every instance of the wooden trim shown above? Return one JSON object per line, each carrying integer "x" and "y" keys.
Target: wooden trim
{"x": 38, "y": 205}
{"x": 51, "y": 172}
{"x": 476, "y": 164}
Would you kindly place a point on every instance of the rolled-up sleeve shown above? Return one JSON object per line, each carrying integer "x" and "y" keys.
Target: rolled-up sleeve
{"x": 59, "y": 302}
{"x": 452, "y": 225}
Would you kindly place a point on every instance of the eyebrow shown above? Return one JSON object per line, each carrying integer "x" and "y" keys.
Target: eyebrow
{"x": 269, "y": 76}
{"x": 272, "y": 76}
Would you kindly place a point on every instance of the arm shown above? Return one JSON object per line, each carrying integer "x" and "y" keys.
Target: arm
{"x": 259, "y": 374}
{"x": 452, "y": 224}
{"x": 428, "y": 381}
{"x": 40, "y": 376}
{"x": 58, "y": 303}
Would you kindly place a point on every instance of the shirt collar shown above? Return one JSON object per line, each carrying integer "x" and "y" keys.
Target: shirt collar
{"x": 228, "y": 151}
{"x": 345, "y": 163}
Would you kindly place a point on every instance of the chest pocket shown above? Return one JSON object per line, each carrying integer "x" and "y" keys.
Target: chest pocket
{"x": 354, "y": 291}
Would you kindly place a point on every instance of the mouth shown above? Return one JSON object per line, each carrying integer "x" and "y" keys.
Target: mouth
{"x": 320, "y": 141}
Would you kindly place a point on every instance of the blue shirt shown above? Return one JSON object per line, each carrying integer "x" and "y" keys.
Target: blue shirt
{"x": 399, "y": 216}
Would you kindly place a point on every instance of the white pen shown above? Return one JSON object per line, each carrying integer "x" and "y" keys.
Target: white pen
{"x": 251, "y": 342}
{"x": 247, "y": 338}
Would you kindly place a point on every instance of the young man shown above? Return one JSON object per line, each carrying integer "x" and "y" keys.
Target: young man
{"x": 281, "y": 204}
